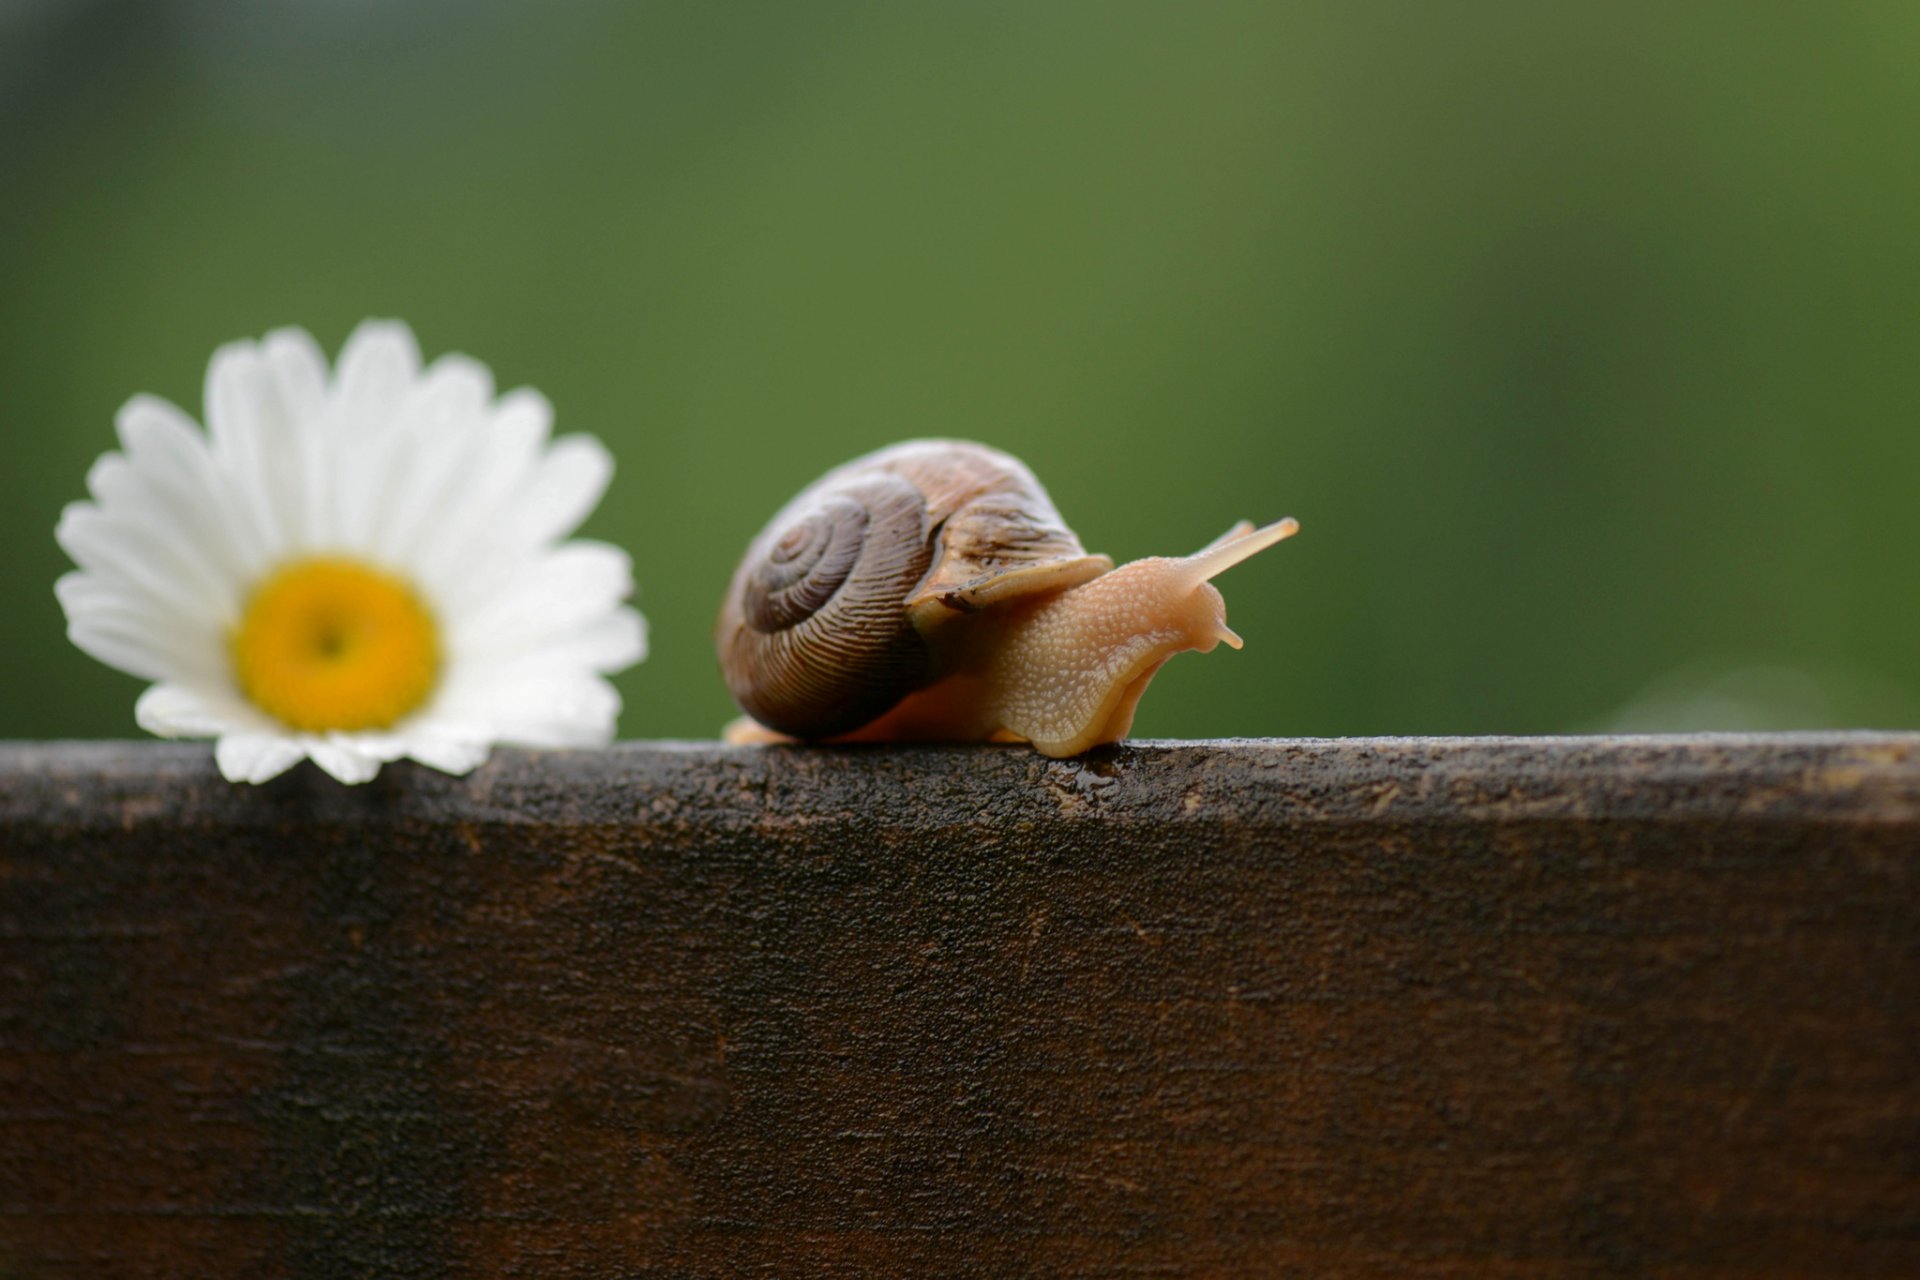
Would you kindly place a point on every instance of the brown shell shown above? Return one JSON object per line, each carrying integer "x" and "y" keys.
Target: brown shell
{"x": 827, "y": 621}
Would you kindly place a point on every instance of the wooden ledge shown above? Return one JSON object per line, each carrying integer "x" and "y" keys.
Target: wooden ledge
{"x": 1394, "y": 1007}
{"x": 1858, "y": 776}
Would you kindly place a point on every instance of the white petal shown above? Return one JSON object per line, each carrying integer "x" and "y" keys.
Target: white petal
{"x": 159, "y": 435}
{"x": 611, "y": 644}
{"x": 127, "y": 631}
{"x": 167, "y": 448}
{"x": 255, "y": 757}
{"x": 374, "y": 457}
{"x": 569, "y": 484}
{"x": 256, "y": 441}
{"x": 548, "y": 710}
{"x": 367, "y": 437}
{"x": 460, "y": 544}
{"x": 175, "y": 711}
{"x": 455, "y": 755}
{"x": 551, "y": 596}
{"x": 299, "y": 369}
{"x": 231, "y": 398}
{"x": 339, "y": 757}
{"x": 455, "y": 389}
{"x": 121, "y": 649}
{"x": 292, "y": 388}
{"x": 129, "y": 571}
{"x": 437, "y": 448}
{"x": 525, "y": 417}
{"x": 604, "y": 645}
{"x": 174, "y": 529}
{"x": 378, "y": 364}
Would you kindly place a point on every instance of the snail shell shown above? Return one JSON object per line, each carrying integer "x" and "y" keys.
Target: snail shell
{"x": 817, "y": 636}
{"x": 932, "y": 590}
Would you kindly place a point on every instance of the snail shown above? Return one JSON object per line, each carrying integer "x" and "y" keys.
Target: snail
{"x": 930, "y": 591}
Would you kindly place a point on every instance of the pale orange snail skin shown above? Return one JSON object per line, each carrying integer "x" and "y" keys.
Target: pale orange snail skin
{"x": 987, "y": 621}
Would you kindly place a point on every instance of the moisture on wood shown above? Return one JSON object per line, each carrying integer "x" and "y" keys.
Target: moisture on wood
{"x": 1424, "y": 1008}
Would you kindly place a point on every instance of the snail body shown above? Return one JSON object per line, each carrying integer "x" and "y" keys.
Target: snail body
{"x": 931, "y": 591}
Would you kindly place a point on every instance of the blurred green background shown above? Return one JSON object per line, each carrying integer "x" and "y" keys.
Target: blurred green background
{"x": 1584, "y": 340}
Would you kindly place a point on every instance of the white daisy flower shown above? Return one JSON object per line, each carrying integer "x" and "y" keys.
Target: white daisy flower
{"x": 352, "y": 568}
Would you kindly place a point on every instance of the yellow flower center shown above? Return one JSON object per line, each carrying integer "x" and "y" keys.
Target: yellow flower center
{"x": 332, "y": 644}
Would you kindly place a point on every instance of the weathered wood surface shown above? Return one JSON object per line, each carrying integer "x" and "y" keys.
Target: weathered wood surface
{"x": 1421, "y": 1008}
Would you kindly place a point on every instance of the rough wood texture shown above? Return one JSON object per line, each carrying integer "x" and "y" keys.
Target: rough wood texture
{"x": 1422, "y": 1008}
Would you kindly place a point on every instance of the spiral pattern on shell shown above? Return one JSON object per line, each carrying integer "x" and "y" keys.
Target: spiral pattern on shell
{"x": 813, "y": 638}
{"x": 806, "y": 564}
